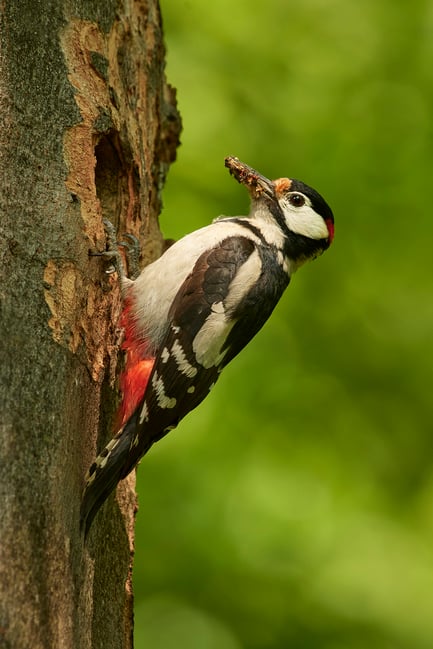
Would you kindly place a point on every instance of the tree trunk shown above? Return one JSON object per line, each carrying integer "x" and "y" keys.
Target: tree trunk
{"x": 88, "y": 130}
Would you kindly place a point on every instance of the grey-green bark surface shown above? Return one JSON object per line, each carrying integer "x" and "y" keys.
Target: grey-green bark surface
{"x": 88, "y": 129}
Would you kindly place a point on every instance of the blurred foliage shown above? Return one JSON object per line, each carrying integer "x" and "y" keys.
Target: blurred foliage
{"x": 294, "y": 507}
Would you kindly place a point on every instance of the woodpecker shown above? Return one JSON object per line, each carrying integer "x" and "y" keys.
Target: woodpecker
{"x": 189, "y": 313}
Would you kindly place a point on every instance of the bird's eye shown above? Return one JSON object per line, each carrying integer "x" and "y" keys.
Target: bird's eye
{"x": 297, "y": 200}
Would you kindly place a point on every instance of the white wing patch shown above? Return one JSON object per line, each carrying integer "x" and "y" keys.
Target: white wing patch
{"x": 165, "y": 355}
{"x": 144, "y": 415}
{"x": 184, "y": 366}
{"x": 162, "y": 399}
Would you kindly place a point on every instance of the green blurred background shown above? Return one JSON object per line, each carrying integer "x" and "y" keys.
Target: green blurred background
{"x": 294, "y": 507}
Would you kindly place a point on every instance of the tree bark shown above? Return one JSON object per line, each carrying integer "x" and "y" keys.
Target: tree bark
{"x": 88, "y": 129}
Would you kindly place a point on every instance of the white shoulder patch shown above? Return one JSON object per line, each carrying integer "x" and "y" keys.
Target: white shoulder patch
{"x": 247, "y": 275}
{"x": 210, "y": 339}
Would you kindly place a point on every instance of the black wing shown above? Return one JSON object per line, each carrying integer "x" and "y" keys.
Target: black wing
{"x": 209, "y": 326}
{"x": 179, "y": 381}
{"x": 220, "y": 306}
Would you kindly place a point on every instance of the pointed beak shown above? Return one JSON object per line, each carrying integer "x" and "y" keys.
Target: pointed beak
{"x": 256, "y": 184}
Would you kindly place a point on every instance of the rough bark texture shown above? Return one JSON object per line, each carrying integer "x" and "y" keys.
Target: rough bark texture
{"x": 88, "y": 130}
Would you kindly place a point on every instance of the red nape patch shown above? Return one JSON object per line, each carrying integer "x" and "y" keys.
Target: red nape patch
{"x": 139, "y": 364}
{"x": 330, "y": 225}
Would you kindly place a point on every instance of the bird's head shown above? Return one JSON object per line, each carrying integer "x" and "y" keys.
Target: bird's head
{"x": 301, "y": 213}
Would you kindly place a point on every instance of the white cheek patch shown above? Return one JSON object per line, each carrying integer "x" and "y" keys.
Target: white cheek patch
{"x": 305, "y": 221}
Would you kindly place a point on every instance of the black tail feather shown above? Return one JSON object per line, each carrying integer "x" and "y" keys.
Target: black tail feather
{"x": 112, "y": 464}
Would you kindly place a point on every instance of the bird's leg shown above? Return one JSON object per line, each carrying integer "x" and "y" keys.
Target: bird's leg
{"x": 131, "y": 246}
{"x": 132, "y": 251}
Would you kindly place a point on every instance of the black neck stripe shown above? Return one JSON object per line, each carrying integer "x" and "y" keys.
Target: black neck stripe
{"x": 278, "y": 215}
{"x": 247, "y": 224}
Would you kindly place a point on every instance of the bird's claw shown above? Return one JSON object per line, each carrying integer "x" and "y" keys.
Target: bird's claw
{"x": 131, "y": 246}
